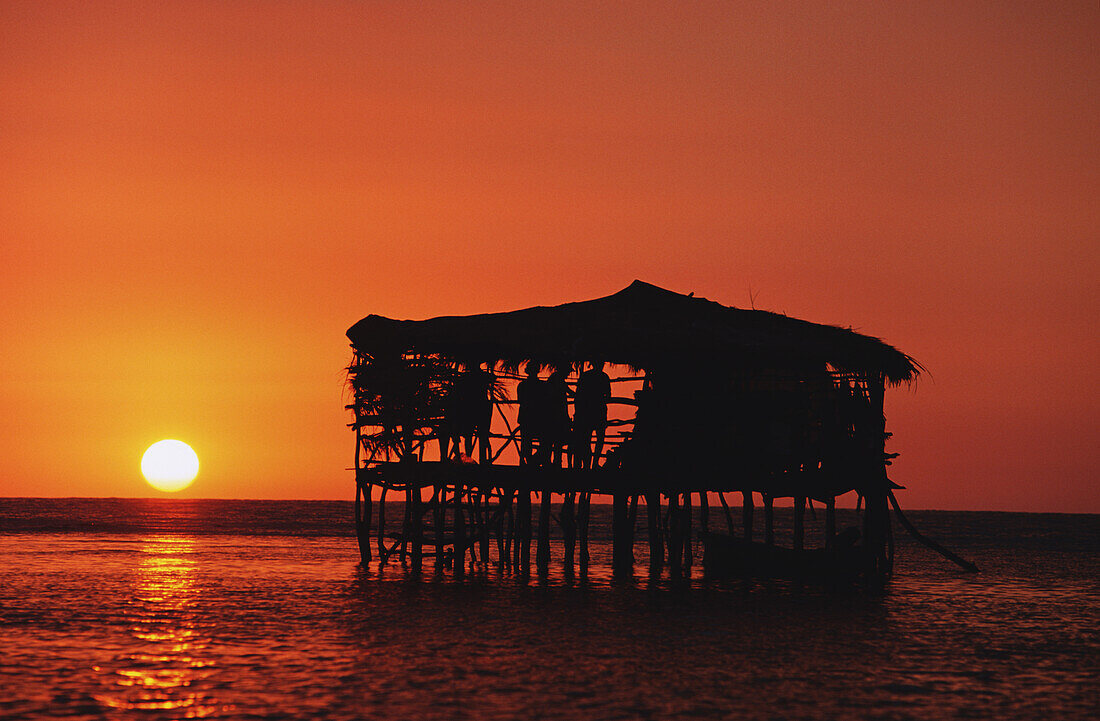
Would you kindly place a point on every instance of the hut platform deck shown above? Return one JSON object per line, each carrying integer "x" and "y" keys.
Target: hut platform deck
{"x": 815, "y": 484}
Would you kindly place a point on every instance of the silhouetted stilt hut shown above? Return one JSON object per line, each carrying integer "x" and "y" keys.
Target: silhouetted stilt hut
{"x": 709, "y": 400}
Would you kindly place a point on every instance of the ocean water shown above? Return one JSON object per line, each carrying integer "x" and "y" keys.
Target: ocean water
{"x": 164, "y": 609}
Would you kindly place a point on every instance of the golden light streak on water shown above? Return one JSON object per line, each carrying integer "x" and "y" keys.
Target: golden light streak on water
{"x": 163, "y": 674}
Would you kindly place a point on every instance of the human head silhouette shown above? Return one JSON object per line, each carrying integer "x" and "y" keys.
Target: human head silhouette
{"x": 532, "y": 369}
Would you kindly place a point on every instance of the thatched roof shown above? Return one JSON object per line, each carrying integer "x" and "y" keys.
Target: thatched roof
{"x": 642, "y": 326}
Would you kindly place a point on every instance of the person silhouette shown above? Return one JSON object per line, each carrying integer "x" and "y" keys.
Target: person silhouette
{"x": 557, "y": 420}
{"x": 532, "y": 414}
{"x": 590, "y": 413}
{"x": 472, "y": 409}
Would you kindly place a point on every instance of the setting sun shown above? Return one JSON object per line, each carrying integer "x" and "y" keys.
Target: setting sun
{"x": 169, "y": 465}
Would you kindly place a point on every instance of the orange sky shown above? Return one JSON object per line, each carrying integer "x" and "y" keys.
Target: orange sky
{"x": 197, "y": 200}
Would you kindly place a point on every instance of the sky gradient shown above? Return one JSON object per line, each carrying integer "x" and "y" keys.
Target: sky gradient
{"x": 198, "y": 199}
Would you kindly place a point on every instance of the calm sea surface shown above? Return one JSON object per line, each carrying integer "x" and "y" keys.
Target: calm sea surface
{"x": 181, "y": 609}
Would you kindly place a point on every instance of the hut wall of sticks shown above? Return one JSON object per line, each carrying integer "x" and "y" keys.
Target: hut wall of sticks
{"x": 707, "y": 400}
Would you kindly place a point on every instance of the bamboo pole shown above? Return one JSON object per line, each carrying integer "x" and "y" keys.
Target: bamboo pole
{"x": 953, "y": 557}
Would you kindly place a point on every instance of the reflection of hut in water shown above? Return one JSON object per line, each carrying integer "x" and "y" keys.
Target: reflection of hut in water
{"x": 724, "y": 400}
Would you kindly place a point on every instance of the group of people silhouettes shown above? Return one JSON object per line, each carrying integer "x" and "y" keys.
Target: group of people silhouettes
{"x": 547, "y": 434}
{"x": 470, "y": 412}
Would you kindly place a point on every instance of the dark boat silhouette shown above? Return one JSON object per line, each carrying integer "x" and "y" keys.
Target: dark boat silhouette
{"x": 727, "y": 556}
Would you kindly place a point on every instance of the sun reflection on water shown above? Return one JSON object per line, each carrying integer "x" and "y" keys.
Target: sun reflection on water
{"x": 163, "y": 668}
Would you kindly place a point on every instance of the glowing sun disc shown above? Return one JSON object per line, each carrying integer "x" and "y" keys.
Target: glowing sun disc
{"x": 169, "y": 465}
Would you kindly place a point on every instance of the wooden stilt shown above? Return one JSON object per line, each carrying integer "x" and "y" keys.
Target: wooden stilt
{"x": 769, "y": 519}
{"x": 689, "y": 555}
{"x": 628, "y": 533}
{"x": 799, "y": 522}
{"x": 621, "y": 557}
{"x": 704, "y": 513}
{"x": 382, "y": 526}
{"x": 569, "y": 530}
{"x": 746, "y": 514}
{"x": 486, "y": 515}
{"x": 583, "y": 513}
{"x": 363, "y": 521}
{"x": 405, "y": 526}
{"x": 439, "y": 495}
{"x": 362, "y": 508}
{"x": 656, "y": 538}
{"x": 876, "y": 518}
{"x": 523, "y": 526}
{"x": 542, "y": 559}
{"x": 510, "y": 530}
{"x": 729, "y": 515}
{"x": 416, "y": 518}
{"x": 460, "y": 533}
{"x": 503, "y": 530}
{"x": 830, "y": 521}
{"x": 675, "y": 536}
